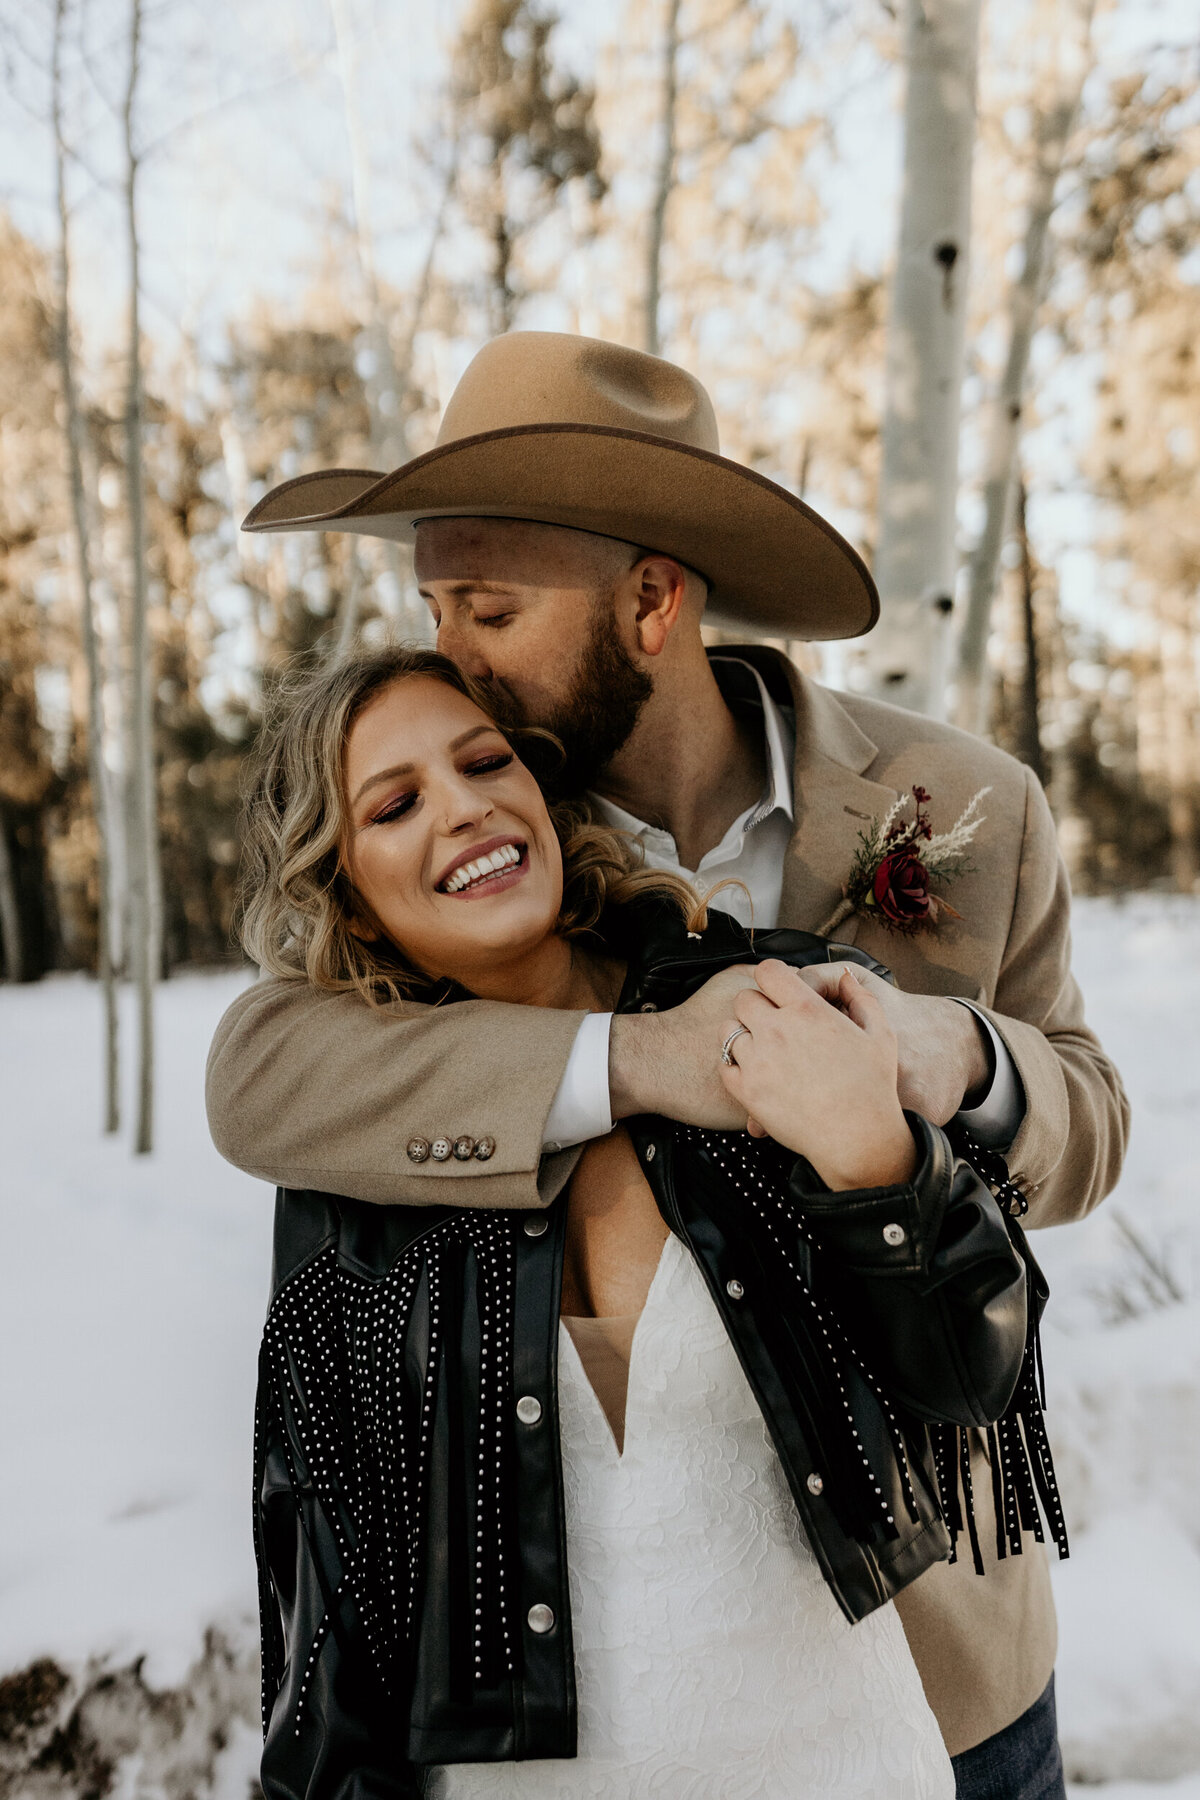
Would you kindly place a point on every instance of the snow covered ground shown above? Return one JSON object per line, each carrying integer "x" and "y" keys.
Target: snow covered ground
{"x": 131, "y": 1294}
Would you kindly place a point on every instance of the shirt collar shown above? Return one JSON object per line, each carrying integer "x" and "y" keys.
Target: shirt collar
{"x": 778, "y": 742}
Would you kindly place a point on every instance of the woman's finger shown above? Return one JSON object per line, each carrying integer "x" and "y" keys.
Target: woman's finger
{"x": 751, "y": 1007}
{"x": 862, "y": 1008}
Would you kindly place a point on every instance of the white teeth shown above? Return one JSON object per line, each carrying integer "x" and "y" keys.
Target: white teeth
{"x": 466, "y": 873}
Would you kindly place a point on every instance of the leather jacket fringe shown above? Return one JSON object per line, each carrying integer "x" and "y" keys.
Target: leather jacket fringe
{"x": 409, "y": 1519}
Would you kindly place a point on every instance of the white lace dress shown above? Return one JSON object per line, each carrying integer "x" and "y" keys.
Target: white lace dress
{"x": 711, "y": 1660}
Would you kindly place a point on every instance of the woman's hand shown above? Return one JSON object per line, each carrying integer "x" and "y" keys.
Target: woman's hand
{"x": 819, "y": 1076}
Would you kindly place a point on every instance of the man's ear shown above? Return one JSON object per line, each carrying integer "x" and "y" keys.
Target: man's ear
{"x": 660, "y": 585}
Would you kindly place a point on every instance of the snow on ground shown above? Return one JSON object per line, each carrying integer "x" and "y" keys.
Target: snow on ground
{"x": 132, "y": 1291}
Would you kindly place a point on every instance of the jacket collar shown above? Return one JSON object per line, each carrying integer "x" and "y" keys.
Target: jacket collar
{"x": 833, "y": 795}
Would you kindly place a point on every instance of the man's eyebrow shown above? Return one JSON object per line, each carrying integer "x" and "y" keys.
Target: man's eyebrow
{"x": 461, "y": 590}
{"x": 464, "y": 737}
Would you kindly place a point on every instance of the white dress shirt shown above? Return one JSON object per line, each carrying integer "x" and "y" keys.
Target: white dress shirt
{"x": 753, "y": 851}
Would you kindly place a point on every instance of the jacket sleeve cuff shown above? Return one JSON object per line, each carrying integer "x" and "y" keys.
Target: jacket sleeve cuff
{"x": 886, "y": 1230}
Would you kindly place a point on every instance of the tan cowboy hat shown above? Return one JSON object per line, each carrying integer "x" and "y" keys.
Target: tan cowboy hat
{"x": 573, "y": 431}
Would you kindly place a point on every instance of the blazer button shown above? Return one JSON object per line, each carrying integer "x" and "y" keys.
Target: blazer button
{"x": 540, "y": 1618}
{"x": 529, "y": 1409}
{"x": 536, "y": 1225}
{"x": 464, "y": 1149}
{"x": 484, "y": 1149}
{"x": 418, "y": 1149}
{"x": 440, "y": 1149}
{"x": 894, "y": 1235}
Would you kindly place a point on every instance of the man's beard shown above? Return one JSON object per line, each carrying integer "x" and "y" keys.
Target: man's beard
{"x": 597, "y": 717}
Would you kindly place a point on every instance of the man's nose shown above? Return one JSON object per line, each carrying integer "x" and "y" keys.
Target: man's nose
{"x": 462, "y": 647}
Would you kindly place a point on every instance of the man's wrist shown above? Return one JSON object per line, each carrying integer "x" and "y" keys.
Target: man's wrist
{"x": 978, "y": 1066}
{"x": 635, "y": 1047}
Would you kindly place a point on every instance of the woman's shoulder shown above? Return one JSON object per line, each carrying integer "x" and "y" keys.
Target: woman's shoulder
{"x": 666, "y": 961}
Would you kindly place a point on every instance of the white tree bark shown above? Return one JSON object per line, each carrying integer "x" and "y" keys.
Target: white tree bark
{"x": 145, "y": 876}
{"x": 388, "y": 379}
{"x": 1068, "y": 24}
{"x": 905, "y": 658}
{"x": 664, "y": 179}
{"x": 97, "y": 772}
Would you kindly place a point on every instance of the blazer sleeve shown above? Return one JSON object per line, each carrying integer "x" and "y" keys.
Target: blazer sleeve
{"x": 927, "y": 1282}
{"x": 315, "y": 1090}
{"x": 1068, "y": 1152}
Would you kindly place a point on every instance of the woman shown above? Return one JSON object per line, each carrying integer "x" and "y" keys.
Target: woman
{"x": 496, "y": 1524}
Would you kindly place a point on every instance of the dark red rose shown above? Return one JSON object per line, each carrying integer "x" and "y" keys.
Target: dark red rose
{"x": 901, "y": 891}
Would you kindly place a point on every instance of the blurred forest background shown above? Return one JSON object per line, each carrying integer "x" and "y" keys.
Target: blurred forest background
{"x": 240, "y": 242}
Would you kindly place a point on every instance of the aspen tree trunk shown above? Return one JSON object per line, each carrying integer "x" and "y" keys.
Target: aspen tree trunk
{"x": 905, "y": 658}
{"x": 97, "y": 773}
{"x": 664, "y": 179}
{"x": 1030, "y": 735}
{"x": 145, "y": 876}
{"x": 1053, "y": 125}
{"x": 388, "y": 382}
{"x": 12, "y": 938}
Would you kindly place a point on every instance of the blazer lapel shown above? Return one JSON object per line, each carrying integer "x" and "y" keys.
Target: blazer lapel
{"x": 834, "y": 800}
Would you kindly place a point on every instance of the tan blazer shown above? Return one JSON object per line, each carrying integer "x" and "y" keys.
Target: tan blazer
{"x": 316, "y": 1090}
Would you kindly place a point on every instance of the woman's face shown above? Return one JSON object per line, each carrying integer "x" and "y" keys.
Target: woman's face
{"x": 449, "y": 844}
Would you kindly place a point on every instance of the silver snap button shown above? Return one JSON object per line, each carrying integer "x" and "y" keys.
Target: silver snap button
{"x": 440, "y": 1149}
{"x": 418, "y": 1149}
{"x": 894, "y": 1234}
{"x": 529, "y": 1409}
{"x": 814, "y": 1484}
{"x": 540, "y": 1618}
{"x": 649, "y": 1006}
{"x": 734, "y": 1289}
{"x": 651, "y": 1152}
{"x": 464, "y": 1149}
{"x": 536, "y": 1226}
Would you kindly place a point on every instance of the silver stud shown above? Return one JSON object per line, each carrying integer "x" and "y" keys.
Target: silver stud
{"x": 464, "y": 1148}
{"x": 418, "y": 1149}
{"x": 529, "y": 1409}
{"x": 441, "y": 1149}
{"x": 894, "y": 1235}
{"x": 734, "y": 1289}
{"x": 651, "y": 1152}
{"x": 540, "y": 1618}
{"x": 537, "y": 1225}
{"x": 485, "y": 1149}
{"x": 814, "y": 1484}
{"x": 649, "y": 1006}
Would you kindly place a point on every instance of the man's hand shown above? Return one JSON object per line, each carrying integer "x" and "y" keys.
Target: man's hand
{"x": 670, "y": 1062}
{"x": 943, "y": 1056}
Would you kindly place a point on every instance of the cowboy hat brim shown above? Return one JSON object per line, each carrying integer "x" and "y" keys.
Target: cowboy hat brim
{"x": 770, "y": 561}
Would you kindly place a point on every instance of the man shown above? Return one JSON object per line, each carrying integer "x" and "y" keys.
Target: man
{"x": 571, "y": 527}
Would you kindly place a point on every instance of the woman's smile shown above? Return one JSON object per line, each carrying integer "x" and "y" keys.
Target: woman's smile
{"x": 487, "y": 868}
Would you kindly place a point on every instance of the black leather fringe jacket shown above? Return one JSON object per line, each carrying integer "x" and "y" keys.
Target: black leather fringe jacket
{"x": 408, "y": 1486}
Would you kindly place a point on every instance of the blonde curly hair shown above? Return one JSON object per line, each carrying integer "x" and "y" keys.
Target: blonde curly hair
{"x": 298, "y": 900}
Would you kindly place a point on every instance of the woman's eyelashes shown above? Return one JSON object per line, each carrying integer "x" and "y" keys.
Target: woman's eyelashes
{"x": 491, "y": 764}
{"x": 395, "y": 809}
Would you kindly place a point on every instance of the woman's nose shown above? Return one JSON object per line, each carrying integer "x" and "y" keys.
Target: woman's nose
{"x": 464, "y": 807}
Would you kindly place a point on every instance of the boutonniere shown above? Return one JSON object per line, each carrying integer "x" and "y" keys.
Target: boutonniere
{"x": 898, "y": 859}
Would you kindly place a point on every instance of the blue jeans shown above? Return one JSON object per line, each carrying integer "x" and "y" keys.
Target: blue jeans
{"x": 1022, "y": 1762}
